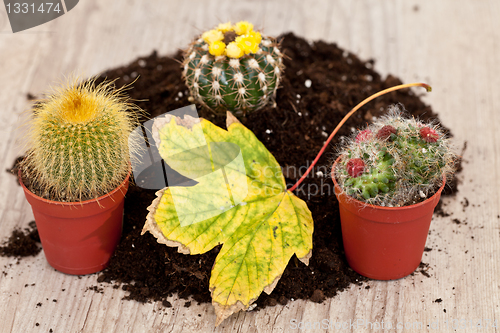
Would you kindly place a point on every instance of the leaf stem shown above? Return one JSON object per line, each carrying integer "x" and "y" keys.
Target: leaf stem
{"x": 356, "y": 108}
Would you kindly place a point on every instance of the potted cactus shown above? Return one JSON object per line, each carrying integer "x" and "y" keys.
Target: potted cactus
{"x": 76, "y": 173}
{"x": 388, "y": 180}
{"x": 233, "y": 67}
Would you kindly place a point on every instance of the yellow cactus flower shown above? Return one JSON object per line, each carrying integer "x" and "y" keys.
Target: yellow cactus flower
{"x": 211, "y": 36}
{"x": 243, "y": 27}
{"x": 257, "y": 36}
{"x": 247, "y": 43}
{"x": 225, "y": 27}
{"x": 233, "y": 50}
{"x": 217, "y": 48}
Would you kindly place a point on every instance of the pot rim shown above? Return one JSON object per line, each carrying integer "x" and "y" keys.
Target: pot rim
{"x": 74, "y": 203}
{"x": 361, "y": 203}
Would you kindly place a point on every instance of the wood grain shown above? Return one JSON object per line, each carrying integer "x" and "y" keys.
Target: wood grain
{"x": 451, "y": 44}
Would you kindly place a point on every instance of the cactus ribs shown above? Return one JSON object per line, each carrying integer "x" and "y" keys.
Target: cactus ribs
{"x": 242, "y": 81}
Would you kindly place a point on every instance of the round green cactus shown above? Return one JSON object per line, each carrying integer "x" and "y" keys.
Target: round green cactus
{"x": 233, "y": 68}
{"x": 78, "y": 141}
{"x": 395, "y": 162}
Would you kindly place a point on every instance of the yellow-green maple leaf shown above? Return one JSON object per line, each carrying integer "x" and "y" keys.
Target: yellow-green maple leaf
{"x": 260, "y": 231}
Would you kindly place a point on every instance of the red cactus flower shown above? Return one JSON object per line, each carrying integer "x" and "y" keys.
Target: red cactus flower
{"x": 364, "y": 136}
{"x": 355, "y": 167}
{"x": 428, "y": 134}
{"x": 385, "y": 132}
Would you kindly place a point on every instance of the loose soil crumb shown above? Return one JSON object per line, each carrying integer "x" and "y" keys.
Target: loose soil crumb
{"x": 321, "y": 84}
{"x": 318, "y": 296}
{"x": 96, "y": 289}
{"x": 465, "y": 204}
{"x": 423, "y": 268}
{"x": 439, "y": 210}
{"x": 22, "y": 243}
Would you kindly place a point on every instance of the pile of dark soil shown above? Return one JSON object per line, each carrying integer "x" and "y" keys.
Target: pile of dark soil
{"x": 293, "y": 131}
{"x": 321, "y": 84}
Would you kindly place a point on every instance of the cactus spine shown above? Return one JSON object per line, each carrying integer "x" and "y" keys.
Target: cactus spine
{"x": 78, "y": 145}
{"x": 394, "y": 161}
{"x": 233, "y": 67}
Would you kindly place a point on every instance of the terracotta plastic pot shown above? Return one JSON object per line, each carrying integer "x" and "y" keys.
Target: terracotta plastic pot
{"x": 79, "y": 237}
{"x": 384, "y": 243}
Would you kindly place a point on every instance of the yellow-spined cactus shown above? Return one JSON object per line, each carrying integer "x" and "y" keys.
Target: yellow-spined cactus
{"x": 78, "y": 141}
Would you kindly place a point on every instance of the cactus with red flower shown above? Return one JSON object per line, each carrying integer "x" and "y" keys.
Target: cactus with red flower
{"x": 396, "y": 161}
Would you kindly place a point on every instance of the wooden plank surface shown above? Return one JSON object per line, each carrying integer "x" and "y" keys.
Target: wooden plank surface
{"x": 452, "y": 44}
